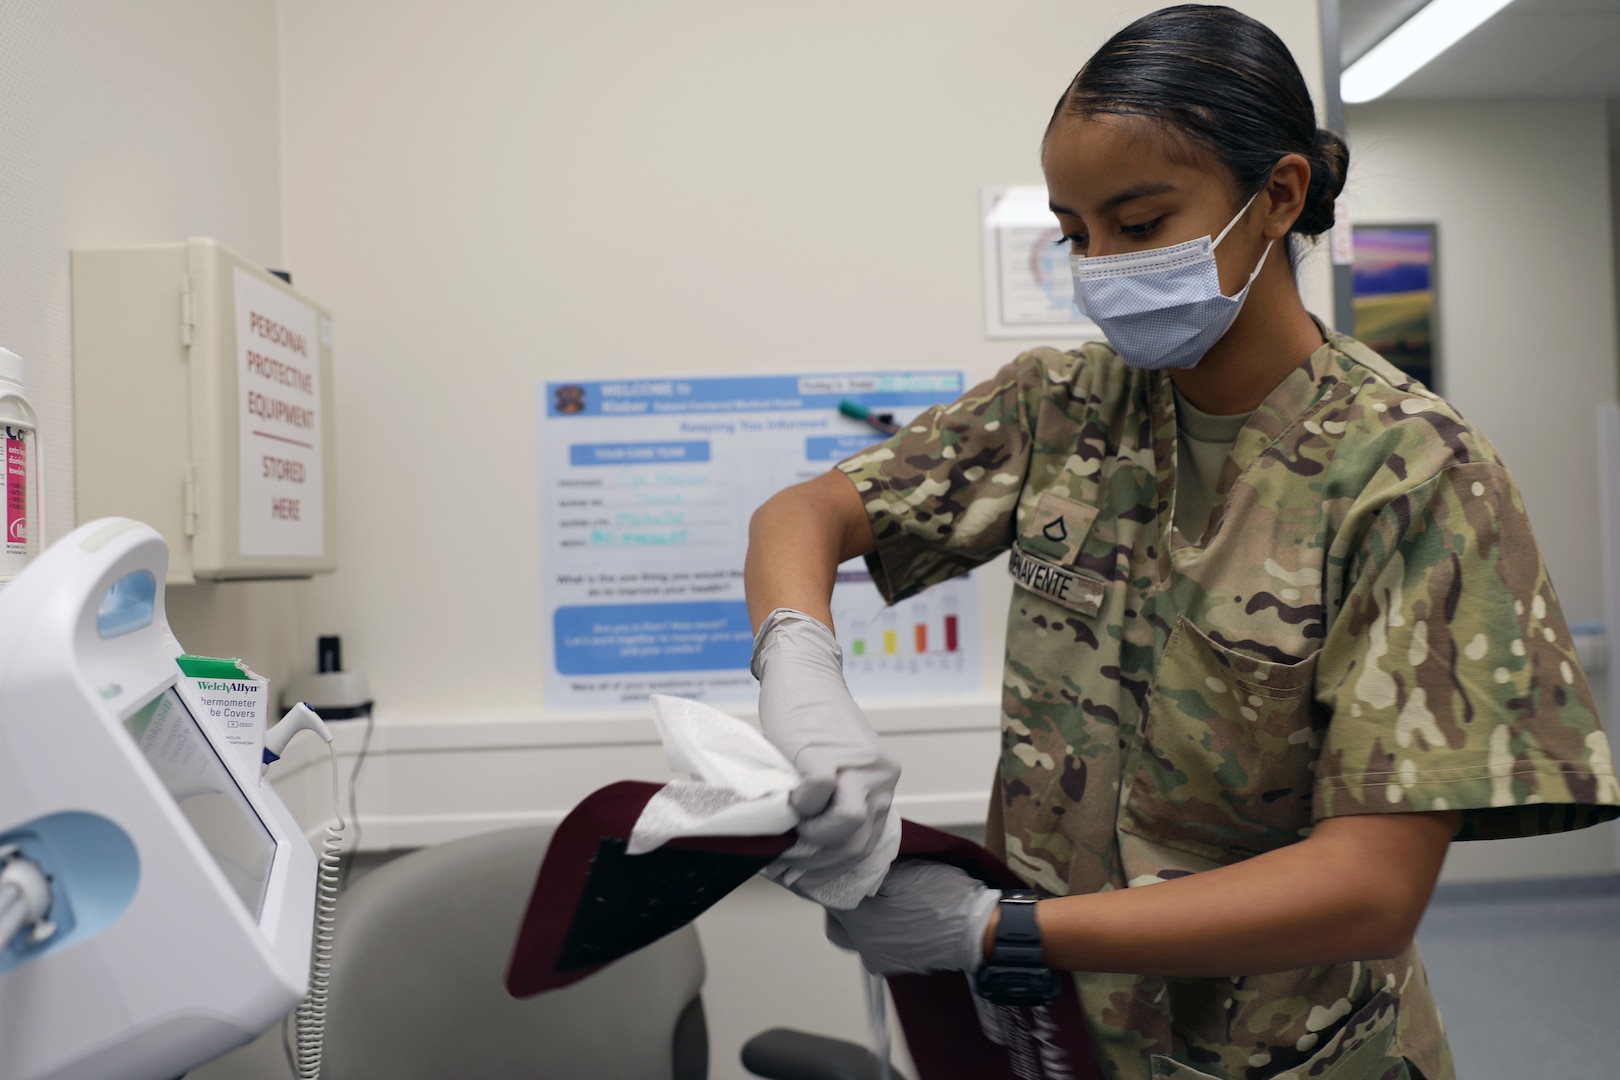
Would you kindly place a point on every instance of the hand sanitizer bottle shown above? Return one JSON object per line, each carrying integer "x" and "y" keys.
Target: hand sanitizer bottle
{"x": 20, "y": 494}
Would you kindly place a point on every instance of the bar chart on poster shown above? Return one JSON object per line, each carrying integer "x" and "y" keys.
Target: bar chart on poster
{"x": 890, "y": 649}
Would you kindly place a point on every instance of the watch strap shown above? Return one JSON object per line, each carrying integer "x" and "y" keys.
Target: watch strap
{"x": 1018, "y": 935}
{"x": 1015, "y": 974}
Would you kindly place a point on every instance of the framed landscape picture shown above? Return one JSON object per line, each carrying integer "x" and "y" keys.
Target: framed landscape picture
{"x": 1397, "y": 296}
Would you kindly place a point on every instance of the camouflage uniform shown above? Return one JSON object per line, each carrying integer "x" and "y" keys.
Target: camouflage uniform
{"x": 1364, "y": 627}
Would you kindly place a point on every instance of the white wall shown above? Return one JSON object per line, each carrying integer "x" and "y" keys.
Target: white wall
{"x": 1614, "y": 189}
{"x": 126, "y": 124}
{"x": 1520, "y": 192}
{"x": 1521, "y": 195}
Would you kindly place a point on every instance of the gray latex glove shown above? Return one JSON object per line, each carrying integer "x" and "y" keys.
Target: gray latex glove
{"x": 806, "y": 711}
{"x": 927, "y": 916}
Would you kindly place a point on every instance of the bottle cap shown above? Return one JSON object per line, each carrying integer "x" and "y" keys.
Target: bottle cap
{"x": 11, "y": 367}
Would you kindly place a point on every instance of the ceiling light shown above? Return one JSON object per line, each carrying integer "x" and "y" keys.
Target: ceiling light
{"x": 1414, "y": 43}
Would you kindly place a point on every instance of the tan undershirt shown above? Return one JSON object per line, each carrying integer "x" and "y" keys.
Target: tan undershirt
{"x": 1203, "y": 443}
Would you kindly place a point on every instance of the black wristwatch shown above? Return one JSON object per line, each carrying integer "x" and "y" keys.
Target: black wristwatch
{"x": 1015, "y": 974}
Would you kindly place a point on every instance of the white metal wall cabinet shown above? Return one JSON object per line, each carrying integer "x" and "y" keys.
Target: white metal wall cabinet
{"x": 203, "y": 406}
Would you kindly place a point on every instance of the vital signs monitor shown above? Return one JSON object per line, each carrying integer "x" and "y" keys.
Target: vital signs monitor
{"x": 181, "y": 890}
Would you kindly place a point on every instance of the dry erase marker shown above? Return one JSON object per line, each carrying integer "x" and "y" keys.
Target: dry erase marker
{"x": 883, "y": 422}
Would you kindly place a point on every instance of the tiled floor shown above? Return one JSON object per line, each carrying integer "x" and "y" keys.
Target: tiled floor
{"x": 1528, "y": 977}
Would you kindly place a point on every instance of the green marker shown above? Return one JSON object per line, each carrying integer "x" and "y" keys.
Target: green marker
{"x": 876, "y": 421}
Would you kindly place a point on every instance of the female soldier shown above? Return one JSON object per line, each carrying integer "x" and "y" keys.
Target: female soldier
{"x": 1279, "y": 632}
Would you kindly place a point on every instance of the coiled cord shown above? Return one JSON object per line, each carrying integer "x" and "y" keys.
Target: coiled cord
{"x": 311, "y": 1014}
{"x": 877, "y": 1018}
{"x": 354, "y": 795}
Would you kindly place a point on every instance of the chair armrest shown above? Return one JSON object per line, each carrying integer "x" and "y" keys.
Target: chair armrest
{"x": 785, "y": 1054}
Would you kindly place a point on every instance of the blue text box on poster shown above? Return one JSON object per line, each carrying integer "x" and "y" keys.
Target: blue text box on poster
{"x": 645, "y": 453}
{"x": 623, "y": 639}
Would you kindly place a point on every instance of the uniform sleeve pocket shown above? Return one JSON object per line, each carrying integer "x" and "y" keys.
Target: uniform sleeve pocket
{"x": 1228, "y": 753}
{"x": 1056, "y": 528}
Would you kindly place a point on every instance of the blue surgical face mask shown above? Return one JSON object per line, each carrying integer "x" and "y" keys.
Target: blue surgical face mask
{"x": 1161, "y": 308}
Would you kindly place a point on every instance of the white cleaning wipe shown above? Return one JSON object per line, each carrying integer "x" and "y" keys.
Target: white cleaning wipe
{"x": 721, "y": 750}
{"x": 740, "y": 787}
{"x": 694, "y": 808}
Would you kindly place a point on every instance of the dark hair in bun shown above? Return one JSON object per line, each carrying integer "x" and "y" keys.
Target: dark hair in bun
{"x": 1329, "y": 164}
{"x": 1226, "y": 84}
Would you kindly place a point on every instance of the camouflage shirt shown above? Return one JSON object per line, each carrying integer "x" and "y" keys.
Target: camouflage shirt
{"x": 1364, "y": 627}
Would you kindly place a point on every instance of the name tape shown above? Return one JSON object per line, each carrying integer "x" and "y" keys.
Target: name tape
{"x": 1076, "y": 591}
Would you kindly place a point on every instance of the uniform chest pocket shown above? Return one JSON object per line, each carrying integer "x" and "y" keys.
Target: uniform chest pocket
{"x": 1228, "y": 754}
{"x": 1365, "y": 1047}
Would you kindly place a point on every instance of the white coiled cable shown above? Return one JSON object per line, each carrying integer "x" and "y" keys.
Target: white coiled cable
{"x": 877, "y": 1018}
{"x": 311, "y": 1014}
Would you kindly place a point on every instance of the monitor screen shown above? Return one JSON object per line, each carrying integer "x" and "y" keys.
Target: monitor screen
{"x": 186, "y": 763}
